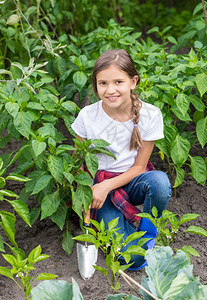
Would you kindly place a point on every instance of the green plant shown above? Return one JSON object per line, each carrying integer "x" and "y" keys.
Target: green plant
{"x": 169, "y": 228}
{"x": 57, "y": 289}
{"x": 22, "y": 268}
{"x": 7, "y": 219}
{"x": 112, "y": 244}
{"x": 170, "y": 277}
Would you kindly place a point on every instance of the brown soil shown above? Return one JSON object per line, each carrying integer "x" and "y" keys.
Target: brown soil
{"x": 190, "y": 198}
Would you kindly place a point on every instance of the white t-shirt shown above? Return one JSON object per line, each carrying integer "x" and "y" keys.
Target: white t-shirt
{"x": 93, "y": 123}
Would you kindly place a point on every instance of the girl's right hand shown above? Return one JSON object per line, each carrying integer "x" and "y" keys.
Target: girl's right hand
{"x": 100, "y": 192}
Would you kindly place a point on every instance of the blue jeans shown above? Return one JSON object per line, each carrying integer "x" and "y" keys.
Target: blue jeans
{"x": 151, "y": 189}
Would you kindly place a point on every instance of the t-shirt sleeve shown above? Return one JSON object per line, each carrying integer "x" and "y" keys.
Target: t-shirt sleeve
{"x": 154, "y": 130}
{"x": 79, "y": 125}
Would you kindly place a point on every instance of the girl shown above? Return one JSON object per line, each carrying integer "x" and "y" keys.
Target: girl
{"x": 131, "y": 126}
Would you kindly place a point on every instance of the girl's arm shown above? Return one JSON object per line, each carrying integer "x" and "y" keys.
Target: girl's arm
{"x": 101, "y": 190}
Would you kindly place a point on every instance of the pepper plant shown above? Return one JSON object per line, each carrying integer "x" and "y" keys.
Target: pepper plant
{"x": 112, "y": 244}
{"x": 169, "y": 228}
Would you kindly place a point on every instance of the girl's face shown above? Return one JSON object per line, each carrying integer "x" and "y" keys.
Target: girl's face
{"x": 114, "y": 86}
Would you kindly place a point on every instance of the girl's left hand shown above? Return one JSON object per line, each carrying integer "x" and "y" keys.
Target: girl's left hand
{"x": 100, "y": 192}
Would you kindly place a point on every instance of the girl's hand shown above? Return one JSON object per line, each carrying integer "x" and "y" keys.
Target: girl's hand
{"x": 100, "y": 192}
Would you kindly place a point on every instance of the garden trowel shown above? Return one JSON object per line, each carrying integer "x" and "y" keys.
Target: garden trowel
{"x": 87, "y": 254}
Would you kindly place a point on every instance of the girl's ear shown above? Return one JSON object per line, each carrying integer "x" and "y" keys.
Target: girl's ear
{"x": 134, "y": 81}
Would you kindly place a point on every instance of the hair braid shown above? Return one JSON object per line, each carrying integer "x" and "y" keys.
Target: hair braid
{"x": 136, "y": 140}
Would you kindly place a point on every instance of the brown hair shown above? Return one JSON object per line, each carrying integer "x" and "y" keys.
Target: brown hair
{"x": 124, "y": 62}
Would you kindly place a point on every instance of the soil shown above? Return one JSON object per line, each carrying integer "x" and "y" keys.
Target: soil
{"x": 190, "y": 198}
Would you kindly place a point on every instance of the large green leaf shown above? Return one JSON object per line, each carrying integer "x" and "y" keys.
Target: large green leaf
{"x": 67, "y": 242}
{"x": 22, "y": 123}
{"x": 41, "y": 183}
{"x": 86, "y": 195}
{"x": 179, "y": 150}
{"x": 183, "y": 103}
{"x": 45, "y": 276}
{"x": 83, "y": 178}
{"x": 55, "y": 165}
{"x": 21, "y": 208}
{"x": 56, "y": 289}
{"x": 201, "y": 83}
{"x": 6, "y": 272}
{"x": 60, "y": 215}
{"x": 198, "y": 168}
{"x": 7, "y": 223}
{"x": 38, "y": 147}
{"x": 12, "y": 108}
{"x": 50, "y": 204}
{"x": 170, "y": 277}
{"x": 80, "y": 79}
{"x": 201, "y": 131}
{"x": 180, "y": 174}
{"x": 91, "y": 163}
{"x": 70, "y": 106}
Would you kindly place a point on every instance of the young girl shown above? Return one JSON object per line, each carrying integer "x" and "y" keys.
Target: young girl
{"x": 131, "y": 126}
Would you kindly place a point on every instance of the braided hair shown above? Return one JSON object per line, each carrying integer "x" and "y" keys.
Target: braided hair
{"x": 124, "y": 62}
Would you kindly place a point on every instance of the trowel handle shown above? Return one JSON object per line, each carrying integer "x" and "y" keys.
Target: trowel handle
{"x": 86, "y": 218}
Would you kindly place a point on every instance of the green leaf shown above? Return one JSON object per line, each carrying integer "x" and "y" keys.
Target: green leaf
{"x": 201, "y": 131}
{"x": 1, "y": 245}
{"x": 38, "y": 147}
{"x": 135, "y": 236}
{"x": 190, "y": 250}
{"x": 18, "y": 154}
{"x": 59, "y": 216}
{"x": 198, "y": 168}
{"x": 35, "y": 105}
{"x": 34, "y": 214}
{"x": 53, "y": 290}
{"x": 8, "y": 193}
{"x": 36, "y": 256}
{"x": 84, "y": 179}
{"x": 41, "y": 183}
{"x": 101, "y": 269}
{"x": 2, "y": 182}
{"x": 12, "y": 108}
{"x": 50, "y": 204}
{"x": 18, "y": 178}
{"x": 21, "y": 208}
{"x": 183, "y": 103}
{"x": 197, "y": 230}
{"x": 188, "y": 217}
{"x": 63, "y": 148}
{"x": 8, "y": 225}
{"x": 70, "y": 106}
{"x": 179, "y": 150}
{"x": 80, "y": 79}
{"x": 197, "y": 103}
{"x": 85, "y": 238}
{"x": 55, "y": 166}
{"x": 172, "y": 40}
{"x": 86, "y": 196}
{"x": 67, "y": 242}
{"x": 6, "y": 272}
{"x": 201, "y": 83}
{"x": 162, "y": 269}
{"x": 180, "y": 174}
{"x": 22, "y": 123}
{"x": 100, "y": 143}
{"x": 91, "y": 163}
{"x": 70, "y": 178}
{"x": 46, "y": 276}
{"x": 112, "y": 224}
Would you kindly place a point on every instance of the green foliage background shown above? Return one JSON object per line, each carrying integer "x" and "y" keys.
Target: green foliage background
{"x": 47, "y": 51}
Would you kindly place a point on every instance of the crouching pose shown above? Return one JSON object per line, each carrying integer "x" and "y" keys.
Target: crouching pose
{"x": 131, "y": 126}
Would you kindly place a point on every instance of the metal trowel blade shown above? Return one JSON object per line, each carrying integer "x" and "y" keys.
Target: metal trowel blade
{"x": 87, "y": 257}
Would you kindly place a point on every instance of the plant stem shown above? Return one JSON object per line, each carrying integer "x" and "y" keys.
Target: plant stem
{"x": 137, "y": 284}
{"x": 204, "y": 11}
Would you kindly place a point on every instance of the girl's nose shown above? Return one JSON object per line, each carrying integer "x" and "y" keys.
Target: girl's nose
{"x": 110, "y": 88}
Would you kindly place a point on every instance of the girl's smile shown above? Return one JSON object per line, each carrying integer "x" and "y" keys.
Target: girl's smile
{"x": 114, "y": 88}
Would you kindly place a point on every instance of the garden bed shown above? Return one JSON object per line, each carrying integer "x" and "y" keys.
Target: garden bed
{"x": 190, "y": 198}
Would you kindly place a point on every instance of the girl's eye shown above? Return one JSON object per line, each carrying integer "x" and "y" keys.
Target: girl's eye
{"x": 118, "y": 81}
{"x": 102, "y": 83}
